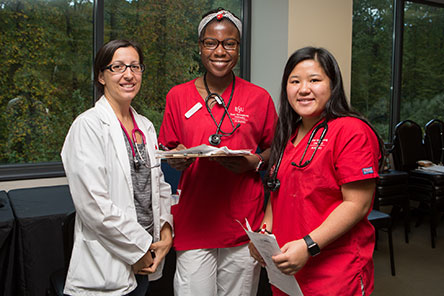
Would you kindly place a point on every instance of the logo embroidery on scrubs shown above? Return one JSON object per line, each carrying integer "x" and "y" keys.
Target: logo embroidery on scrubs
{"x": 367, "y": 171}
{"x": 314, "y": 143}
{"x": 239, "y": 117}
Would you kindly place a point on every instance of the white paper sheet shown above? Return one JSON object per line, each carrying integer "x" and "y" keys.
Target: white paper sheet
{"x": 201, "y": 151}
{"x": 267, "y": 246}
{"x": 434, "y": 168}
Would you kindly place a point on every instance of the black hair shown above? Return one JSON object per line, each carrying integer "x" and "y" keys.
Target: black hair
{"x": 202, "y": 33}
{"x": 105, "y": 55}
{"x": 337, "y": 105}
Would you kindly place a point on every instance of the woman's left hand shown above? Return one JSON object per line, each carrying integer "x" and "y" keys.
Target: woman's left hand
{"x": 293, "y": 258}
{"x": 237, "y": 164}
{"x": 160, "y": 249}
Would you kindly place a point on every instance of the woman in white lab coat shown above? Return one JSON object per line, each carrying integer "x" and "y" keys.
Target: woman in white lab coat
{"x": 123, "y": 226}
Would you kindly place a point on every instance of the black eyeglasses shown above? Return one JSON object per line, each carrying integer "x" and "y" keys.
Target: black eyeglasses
{"x": 227, "y": 44}
{"x": 121, "y": 68}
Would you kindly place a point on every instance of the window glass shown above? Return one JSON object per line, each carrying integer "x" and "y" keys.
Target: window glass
{"x": 422, "y": 92}
{"x": 167, "y": 33}
{"x": 47, "y": 53}
{"x": 45, "y": 75}
{"x": 371, "y": 61}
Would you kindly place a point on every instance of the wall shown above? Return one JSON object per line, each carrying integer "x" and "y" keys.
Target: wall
{"x": 281, "y": 27}
{"x": 269, "y": 44}
{"x": 323, "y": 23}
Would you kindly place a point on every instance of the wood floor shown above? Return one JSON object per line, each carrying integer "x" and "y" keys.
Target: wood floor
{"x": 419, "y": 268}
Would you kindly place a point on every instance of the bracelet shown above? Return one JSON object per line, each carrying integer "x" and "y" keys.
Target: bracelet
{"x": 260, "y": 163}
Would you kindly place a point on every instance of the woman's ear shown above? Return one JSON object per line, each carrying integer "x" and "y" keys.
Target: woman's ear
{"x": 101, "y": 79}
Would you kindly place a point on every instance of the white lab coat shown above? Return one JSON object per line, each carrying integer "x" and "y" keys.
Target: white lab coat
{"x": 108, "y": 239}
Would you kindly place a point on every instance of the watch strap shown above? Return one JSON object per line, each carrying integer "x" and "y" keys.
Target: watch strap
{"x": 313, "y": 247}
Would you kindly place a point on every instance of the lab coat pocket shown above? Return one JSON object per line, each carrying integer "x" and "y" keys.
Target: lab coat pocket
{"x": 98, "y": 269}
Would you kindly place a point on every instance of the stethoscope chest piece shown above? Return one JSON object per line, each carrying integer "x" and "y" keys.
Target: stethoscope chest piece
{"x": 214, "y": 139}
{"x": 273, "y": 184}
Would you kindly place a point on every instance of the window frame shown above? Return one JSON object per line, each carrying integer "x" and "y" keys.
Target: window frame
{"x": 26, "y": 171}
{"x": 397, "y": 53}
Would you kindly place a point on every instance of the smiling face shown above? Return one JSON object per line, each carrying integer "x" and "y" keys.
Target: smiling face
{"x": 219, "y": 62}
{"x": 122, "y": 87}
{"x": 308, "y": 90}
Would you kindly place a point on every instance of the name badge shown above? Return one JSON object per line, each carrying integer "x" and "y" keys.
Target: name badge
{"x": 193, "y": 110}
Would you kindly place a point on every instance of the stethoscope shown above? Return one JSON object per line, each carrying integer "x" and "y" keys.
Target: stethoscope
{"x": 273, "y": 182}
{"x": 136, "y": 162}
{"x": 216, "y": 138}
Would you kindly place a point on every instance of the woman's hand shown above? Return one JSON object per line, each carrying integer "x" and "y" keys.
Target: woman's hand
{"x": 142, "y": 263}
{"x": 255, "y": 254}
{"x": 180, "y": 164}
{"x": 293, "y": 258}
{"x": 238, "y": 164}
{"x": 160, "y": 249}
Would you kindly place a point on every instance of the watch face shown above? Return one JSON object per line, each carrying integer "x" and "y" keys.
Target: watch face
{"x": 314, "y": 249}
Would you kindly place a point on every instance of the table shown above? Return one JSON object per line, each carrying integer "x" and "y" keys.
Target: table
{"x": 39, "y": 214}
{"x": 6, "y": 245}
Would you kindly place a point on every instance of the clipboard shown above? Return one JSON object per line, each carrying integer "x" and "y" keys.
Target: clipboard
{"x": 203, "y": 151}
{"x": 198, "y": 155}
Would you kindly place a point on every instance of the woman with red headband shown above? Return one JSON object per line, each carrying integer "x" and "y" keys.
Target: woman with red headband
{"x": 218, "y": 109}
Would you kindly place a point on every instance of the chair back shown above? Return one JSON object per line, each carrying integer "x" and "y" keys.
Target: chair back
{"x": 434, "y": 140}
{"x": 408, "y": 145}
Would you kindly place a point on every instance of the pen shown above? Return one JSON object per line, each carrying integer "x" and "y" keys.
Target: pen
{"x": 163, "y": 147}
{"x": 264, "y": 227}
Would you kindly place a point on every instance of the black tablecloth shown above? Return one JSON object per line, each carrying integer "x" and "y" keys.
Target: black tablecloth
{"x": 6, "y": 245}
{"x": 39, "y": 251}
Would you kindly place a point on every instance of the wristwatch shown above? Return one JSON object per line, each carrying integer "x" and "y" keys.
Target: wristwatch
{"x": 313, "y": 247}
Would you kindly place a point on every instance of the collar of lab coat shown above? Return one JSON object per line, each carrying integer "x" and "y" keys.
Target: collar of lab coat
{"x": 109, "y": 117}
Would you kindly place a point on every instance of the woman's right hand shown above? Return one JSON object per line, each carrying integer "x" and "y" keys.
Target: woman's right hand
{"x": 146, "y": 261}
{"x": 180, "y": 164}
{"x": 255, "y": 254}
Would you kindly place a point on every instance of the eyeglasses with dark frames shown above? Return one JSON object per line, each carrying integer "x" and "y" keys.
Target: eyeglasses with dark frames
{"x": 227, "y": 44}
{"x": 121, "y": 68}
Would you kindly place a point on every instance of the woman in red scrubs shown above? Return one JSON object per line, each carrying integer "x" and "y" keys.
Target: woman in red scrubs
{"x": 324, "y": 162}
{"x": 218, "y": 109}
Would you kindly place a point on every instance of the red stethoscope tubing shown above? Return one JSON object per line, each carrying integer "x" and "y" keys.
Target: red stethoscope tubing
{"x": 133, "y": 134}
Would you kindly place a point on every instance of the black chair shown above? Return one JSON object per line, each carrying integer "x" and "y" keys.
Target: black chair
{"x": 383, "y": 221}
{"x": 434, "y": 141}
{"x": 58, "y": 278}
{"x": 391, "y": 190}
{"x": 424, "y": 186}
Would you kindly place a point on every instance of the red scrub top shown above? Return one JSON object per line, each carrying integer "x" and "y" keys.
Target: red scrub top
{"x": 349, "y": 152}
{"x": 212, "y": 198}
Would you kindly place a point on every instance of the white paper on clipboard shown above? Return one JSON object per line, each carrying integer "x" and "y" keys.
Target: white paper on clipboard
{"x": 267, "y": 246}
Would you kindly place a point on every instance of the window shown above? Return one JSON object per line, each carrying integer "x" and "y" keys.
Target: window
{"x": 45, "y": 80}
{"x": 376, "y": 86}
{"x": 371, "y": 61}
{"x": 422, "y": 90}
{"x": 46, "y": 74}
